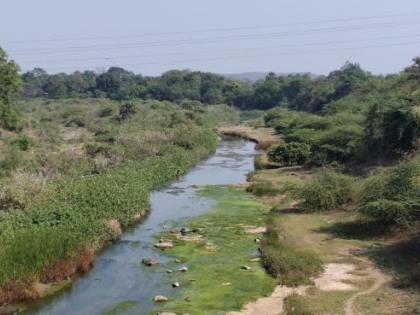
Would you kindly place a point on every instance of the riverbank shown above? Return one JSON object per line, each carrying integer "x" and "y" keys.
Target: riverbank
{"x": 355, "y": 277}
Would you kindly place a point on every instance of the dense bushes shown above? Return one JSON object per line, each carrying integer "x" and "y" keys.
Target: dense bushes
{"x": 328, "y": 190}
{"x": 289, "y": 154}
{"x": 393, "y": 195}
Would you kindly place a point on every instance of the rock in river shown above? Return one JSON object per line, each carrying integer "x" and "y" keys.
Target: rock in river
{"x": 164, "y": 244}
{"x": 149, "y": 262}
{"x": 183, "y": 269}
{"x": 160, "y": 299}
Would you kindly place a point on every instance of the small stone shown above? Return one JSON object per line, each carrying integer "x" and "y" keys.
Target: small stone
{"x": 245, "y": 267}
{"x": 149, "y": 262}
{"x": 177, "y": 260}
{"x": 183, "y": 269}
{"x": 169, "y": 271}
{"x": 187, "y": 299}
{"x": 255, "y": 259}
{"x": 160, "y": 299}
{"x": 175, "y": 285}
{"x": 164, "y": 244}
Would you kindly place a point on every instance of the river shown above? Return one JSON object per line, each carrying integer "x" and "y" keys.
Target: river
{"x": 118, "y": 274}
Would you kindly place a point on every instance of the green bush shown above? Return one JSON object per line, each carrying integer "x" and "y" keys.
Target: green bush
{"x": 289, "y": 154}
{"x": 393, "y": 196}
{"x": 328, "y": 190}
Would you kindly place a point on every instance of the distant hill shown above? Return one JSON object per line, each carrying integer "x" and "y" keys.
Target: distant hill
{"x": 254, "y": 76}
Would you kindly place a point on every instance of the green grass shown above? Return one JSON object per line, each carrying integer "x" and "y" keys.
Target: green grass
{"x": 291, "y": 265}
{"x": 219, "y": 283}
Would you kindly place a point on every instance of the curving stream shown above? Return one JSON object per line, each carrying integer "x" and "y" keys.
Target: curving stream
{"x": 118, "y": 274}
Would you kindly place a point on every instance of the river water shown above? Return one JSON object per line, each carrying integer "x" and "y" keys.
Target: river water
{"x": 118, "y": 274}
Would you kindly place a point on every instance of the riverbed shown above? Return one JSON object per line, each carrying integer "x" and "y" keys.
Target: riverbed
{"x": 118, "y": 275}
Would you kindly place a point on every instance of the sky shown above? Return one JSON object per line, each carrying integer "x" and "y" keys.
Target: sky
{"x": 222, "y": 36}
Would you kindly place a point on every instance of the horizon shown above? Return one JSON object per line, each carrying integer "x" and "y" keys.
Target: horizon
{"x": 287, "y": 37}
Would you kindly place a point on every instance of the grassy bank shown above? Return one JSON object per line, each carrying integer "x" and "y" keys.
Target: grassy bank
{"x": 82, "y": 208}
{"x": 215, "y": 281}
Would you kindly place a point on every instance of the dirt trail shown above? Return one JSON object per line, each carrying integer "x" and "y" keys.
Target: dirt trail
{"x": 272, "y": 305}
{"x": 380, "y": 279}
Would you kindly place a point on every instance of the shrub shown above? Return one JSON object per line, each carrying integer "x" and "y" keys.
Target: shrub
{"x": 393, "y": 196}
{"x": 22, "y": 142}
{"x": 328, "y": 190}
{"x": 105, "y": 112}
{"x": 126, "y": 111}
{"x": 289, "y": 154}
{"x": 262, "y": 189}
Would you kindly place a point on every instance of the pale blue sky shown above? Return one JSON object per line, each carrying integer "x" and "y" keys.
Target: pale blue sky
{"x": 264, "y": 35}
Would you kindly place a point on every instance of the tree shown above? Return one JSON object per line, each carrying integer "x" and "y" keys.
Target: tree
{"x": 10, "y": 85}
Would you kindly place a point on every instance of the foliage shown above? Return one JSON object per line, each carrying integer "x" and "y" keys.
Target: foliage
{"x": 57, "y": 195}
{"x": 292, "y": 153}
{"x": 393, "y": 195}
{"x": 328, "y": 190}
{"x": 10, "y": 84}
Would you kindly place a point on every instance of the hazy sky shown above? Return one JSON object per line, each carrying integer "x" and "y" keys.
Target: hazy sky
{"x": 225, "y": 36}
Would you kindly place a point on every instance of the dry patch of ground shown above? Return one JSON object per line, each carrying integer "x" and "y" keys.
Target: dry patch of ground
{"x": 265, "y": 137}
{"x": 272, "y": 305}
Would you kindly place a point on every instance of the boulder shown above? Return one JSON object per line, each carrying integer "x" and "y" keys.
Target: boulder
{"x": 175, "y": 285}
{"x": 183, "y": 269}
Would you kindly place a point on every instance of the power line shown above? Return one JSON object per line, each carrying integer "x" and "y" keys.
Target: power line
{"x": 210, "y": 30}
{"x": 224, "y": 50}
{"x": 213, "y": 39}
{"x": 262, "y": 55}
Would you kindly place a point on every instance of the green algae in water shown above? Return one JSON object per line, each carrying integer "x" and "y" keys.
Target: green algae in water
{"x": 120, "y": 308}
{"x": 219, "y": 284}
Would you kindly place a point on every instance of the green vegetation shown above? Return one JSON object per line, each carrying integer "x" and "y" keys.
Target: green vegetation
{"x": 10, "y": 85}
{"x": 326, "y": 191}
{"x": 70, "y": 172}
{"x": 292, "y": 266}
{"x": 214, "y": 262}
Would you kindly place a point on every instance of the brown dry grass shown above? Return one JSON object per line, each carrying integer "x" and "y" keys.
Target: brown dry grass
{"x": 63, "y": 269}
{"x": 264, "y": 137}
